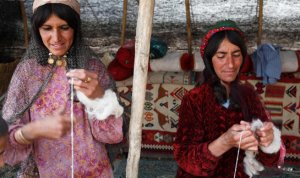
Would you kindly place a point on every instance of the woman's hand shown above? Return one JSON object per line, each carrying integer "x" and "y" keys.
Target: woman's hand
{"x": 86, "y": 82}
{"x": 265, "y": 134}
{"x": 50, "y": 127}
{"x": 231, "y": 138}
{"x": 233, "y": 134}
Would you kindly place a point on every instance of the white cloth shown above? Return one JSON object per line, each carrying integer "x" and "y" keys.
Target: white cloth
{"x": 171, "y": 62}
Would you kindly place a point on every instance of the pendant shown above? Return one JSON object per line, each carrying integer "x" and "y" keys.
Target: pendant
{"x": 59, "y": 61}
{"x": 50, "y": 60}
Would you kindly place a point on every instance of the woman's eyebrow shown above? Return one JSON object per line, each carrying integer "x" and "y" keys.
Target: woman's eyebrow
{"x": 238, "y": 50}
{"x": 221, "y": 52}
{"x": 224, "y": 52}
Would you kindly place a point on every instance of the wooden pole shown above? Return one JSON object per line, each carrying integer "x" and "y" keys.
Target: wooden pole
{"x": 24, "y": 18}
{"x": 188, "y": 26}
{"x": 124, "y": 21}
{"x": 142, "y": 49}
{"x": 260, "y": 22}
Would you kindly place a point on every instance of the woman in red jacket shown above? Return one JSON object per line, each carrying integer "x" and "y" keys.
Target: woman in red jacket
{"x": 223, "y": 118}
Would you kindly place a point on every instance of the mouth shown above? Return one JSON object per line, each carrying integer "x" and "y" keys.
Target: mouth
{"x": 57, "y": 46}
{"x": 229, "y": 72}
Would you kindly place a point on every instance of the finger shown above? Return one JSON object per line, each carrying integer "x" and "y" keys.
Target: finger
{"x": 74, "y": 73}
{"x": 266, "y": 126}
{"x": 66, "y": 127}
{"x": 238, "y": 136}
{"x": 260, "y": 133}
{"x": 61, "y": 110}
{"x": 252, "y": 148}
{"x": 68, "y": 120}
{"x": 239, "y": 128}
{"x": 85, "y": 91}
{"x": 91, "y": 91}
{"x": 248, "y": 136}
{"x": 246, "y": 143}
{"x": 266, "y": 139}
{"x": 249, "y": 146}
{"x": 79, "y": 83}
{"x": 265, "y": 132}
{"x": 245, "y": 123}
{"x": 265, "y": 143}
{"x": 82, "y": 74}
{"x": 92, "y": 74}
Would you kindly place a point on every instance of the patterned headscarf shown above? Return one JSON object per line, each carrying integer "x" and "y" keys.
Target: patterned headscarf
{"x": 74, "y": 4}
{"x": 218, "y": 27}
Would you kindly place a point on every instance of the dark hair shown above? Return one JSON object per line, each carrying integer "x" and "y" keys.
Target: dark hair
{"x": 236, "y": 95}
{"x": 3, "y": 127}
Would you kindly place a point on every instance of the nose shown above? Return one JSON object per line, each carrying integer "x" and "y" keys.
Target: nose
{"x": 230, "y": 61}
{"x": 56, "y": 36}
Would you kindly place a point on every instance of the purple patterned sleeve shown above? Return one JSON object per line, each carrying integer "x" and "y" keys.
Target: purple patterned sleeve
{"x": 15, "y": 98}
{"x": 108, "y": 130}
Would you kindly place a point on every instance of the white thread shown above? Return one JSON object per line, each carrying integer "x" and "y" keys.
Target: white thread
{"x": 237, "y": 157}
{"x": 72, "y": 127}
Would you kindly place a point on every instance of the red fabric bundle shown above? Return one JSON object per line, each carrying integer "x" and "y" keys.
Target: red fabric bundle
{"x": 121, "y": 67}
{"x": 125, "y": 56}
{"x": 119, "y": 72}
{"x": 187, "y": 62}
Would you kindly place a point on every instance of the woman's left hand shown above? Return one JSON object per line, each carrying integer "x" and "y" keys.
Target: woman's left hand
{"x": 265, "y": 134}
{"x": 86, "y": 82}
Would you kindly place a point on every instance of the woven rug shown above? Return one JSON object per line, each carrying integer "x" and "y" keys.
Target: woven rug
{"x": 163, "y": 100}
{"x": 160, "y": 113}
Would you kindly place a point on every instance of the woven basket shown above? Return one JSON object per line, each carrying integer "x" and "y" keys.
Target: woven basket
{"x": 6, "y": 72}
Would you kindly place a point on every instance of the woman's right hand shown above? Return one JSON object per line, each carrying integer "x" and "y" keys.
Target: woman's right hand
{"x": 232, "y": 137}
{"x": 51, "y": 127}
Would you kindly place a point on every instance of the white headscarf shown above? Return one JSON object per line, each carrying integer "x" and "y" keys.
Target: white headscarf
{"x": 74, "y": 4}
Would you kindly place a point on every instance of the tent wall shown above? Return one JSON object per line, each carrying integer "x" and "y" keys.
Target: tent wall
{"x": 102, "y": 21}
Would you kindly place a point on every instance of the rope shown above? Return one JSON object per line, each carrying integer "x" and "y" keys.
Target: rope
{"x": 237, "y": 156}
{"x": 72, "y": 126}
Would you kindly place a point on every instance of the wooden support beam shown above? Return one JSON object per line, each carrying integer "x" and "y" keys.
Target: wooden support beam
{"x": 124, "y": 21}
{"x": 24, "y": 18}
{"x": 188, "y": 26}
{"x": 141, "y": 61}
{"x": 260, "y": 22}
